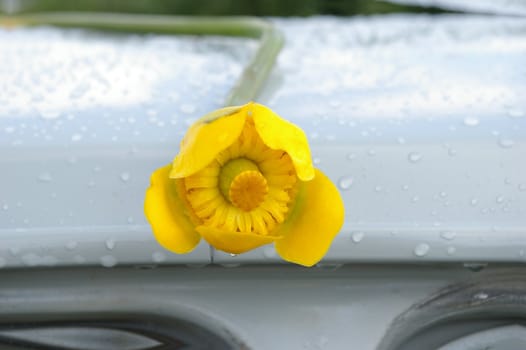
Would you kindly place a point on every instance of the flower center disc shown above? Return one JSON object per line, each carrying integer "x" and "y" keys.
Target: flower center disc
{"x": 249, "y": 187}
{"x": 241, "y": 183}
{"x": 248, "y": 190}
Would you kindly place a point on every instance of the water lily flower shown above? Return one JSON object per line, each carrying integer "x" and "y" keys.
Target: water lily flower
{"x": 244, "y": 178}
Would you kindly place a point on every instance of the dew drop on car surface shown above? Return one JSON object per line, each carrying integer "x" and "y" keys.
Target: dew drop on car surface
{"x": 471, "y": 121}
{"x": 345, "y": 183}
{"x": 125, "y": 176}
{"x": 357, "y": 237}
{"x": 414, "y": 157}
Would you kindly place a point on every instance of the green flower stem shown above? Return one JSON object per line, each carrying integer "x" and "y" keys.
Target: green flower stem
{"x": 254, "y": 74}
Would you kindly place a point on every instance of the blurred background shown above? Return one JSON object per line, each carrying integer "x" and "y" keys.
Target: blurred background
{"x": 225, "y": 7}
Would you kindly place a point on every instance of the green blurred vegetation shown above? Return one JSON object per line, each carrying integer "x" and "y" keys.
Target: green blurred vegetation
{"x": 218, "y": 7}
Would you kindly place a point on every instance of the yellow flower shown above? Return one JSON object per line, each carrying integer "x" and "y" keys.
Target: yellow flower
{"x": 244, "y": 178}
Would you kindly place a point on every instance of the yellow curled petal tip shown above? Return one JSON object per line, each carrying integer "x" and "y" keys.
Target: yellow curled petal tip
{"x": 166, "y": 211}
{"x": 315, "y": 220}
{"x": 278, "y": 133}
{"x": 206, "y": 138}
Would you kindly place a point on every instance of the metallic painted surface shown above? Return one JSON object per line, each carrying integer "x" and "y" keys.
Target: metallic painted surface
{"x": 420, "y": 120}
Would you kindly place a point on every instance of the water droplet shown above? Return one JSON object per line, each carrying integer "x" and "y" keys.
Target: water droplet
{"x": 414, "y": 157}
{"x": 45, "y": 177}
{"x": 125, "y": 176}
{"x": 76, "y": 137}
{"x": 351, "y": 156}
{"x": 270, "y": 253}
{"x": 448, "y": 235}
{"x": 152, "y": 112}
{"x": 14, "y": 251}
{"x": 30, "y": 259}
{"x": 5, "y": 207}
{"x": 9, "y": 129}
{"x": 421, "y": 249}
{"x": 378, "y": 188}
{"x": 401, "y": 140}
{"x": 522, "y": 187}
{"x": 471, "y": 121}
{"x": 499, "y": 199}
{"x": 443, "y": 194}
{"x": 405, "y": 187}
{"x": 345, "y": 183}
{"x": 233, "y": 255}
{"x": 371, "y": 152}
{"x": 506, "y": 142}
{"x": 71, "y": 245}
{"x": 110, "y": 243}
{"x": 481, "y": 296}
{"x": 130, "y": 220}
{"x": 451, "y": 152}
{"x": 357, "y": 237}
{"x": 187, "y": 108}
{"x": 108, "y": 261}
{"x": 451, "y": 250}
{"x": 158, "y": 257}
{"x": 49, "y": 113}
{"x": 415, "y": 198}
{"x": 474, "y": 201}
{"x": 316, "y": 160}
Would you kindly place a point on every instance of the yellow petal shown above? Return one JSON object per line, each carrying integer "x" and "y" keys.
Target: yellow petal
{"x": 233, "y": 242}
{"x": 207, "y": 138}
{"x": 278, "y": 133}
{"x": 313, "y": 222}
{"x": 167, "y": 214}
